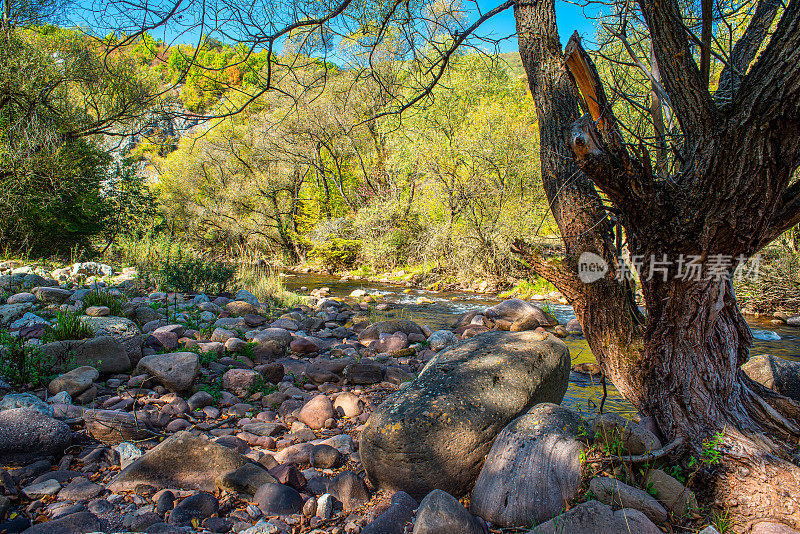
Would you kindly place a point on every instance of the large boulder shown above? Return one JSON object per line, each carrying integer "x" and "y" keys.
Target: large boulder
{"x": 182, "y": 461}
{"x": 123, "y": 330}
{"x": 27, "y": 435}
{"x": 25, "y": 400}
{"x": 373, "y": 332}
{"x": 441, "y": 513}
{"x": 76, "y": 523}
{"x": 104, "y": 353}
{"x": 395, "y": 518}
{"x": 436, "y": 432}
{"x": 533, "y": 468}
{"x": 611, "y": 491}
{"x": 52, "y": 295}
{"x": 776, "y": 373}
{"x": 73, "y": 382}
{"x": 10, "y": 312}
{"x": 592, "y": 517}
{"x": 113, "y": 427}
{"x": 520, "y": 312}
{"x": 176, "y": 371}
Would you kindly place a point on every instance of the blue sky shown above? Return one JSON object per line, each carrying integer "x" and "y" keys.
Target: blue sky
{"x": 569, "y": 18}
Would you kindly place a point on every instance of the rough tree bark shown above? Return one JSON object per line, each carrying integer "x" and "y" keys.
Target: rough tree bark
{"x": 730, "y": 199}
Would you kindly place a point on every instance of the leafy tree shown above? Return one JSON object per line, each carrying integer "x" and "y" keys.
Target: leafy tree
{"x": 59, "y": 94}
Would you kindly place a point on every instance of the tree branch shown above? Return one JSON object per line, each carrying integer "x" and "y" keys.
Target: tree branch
{"x": 745, "y": 50}
{"x": 597, "y": 141}
{"x": 691, "y": 101}
{"x": 706, "y": 7}
{"x": 786, "y": 215}
{"x": 771, "y": 89}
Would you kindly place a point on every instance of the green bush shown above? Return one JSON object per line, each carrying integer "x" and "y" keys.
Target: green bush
{"x": 336, "y": 253}
{"x": 187, "y": 273}
{"x": 68, "y": 325}
{"x": 24, "y": 366}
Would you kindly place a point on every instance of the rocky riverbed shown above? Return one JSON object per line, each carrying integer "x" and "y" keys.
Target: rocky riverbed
{"x": 221, "y": 413}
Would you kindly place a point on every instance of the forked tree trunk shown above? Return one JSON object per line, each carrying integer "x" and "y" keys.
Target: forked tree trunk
{"x": 683, "y": 365}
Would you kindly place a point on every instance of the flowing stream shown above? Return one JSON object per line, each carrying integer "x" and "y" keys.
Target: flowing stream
{"x": 584, "y": 392}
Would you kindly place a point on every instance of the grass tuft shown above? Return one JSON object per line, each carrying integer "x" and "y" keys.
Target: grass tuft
{"x": 68, "y": 325}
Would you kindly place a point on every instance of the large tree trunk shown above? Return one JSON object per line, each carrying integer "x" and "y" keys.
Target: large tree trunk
{"x": 683, "y": 366}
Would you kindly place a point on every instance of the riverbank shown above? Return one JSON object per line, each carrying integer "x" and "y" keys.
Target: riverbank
{"x": 268, "y": 406}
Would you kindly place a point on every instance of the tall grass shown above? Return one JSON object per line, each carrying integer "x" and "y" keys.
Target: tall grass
{"x": 98, "y": 297}
{"x": 148, "y": 253}
{"x": 68, "y": 325}
{"x": 267, "y": 286}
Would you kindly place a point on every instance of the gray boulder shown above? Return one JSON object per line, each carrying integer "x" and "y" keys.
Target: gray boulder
{"x": 611, "y": 491}
{"x": 775, "y": 373}
{"x": 27, "y": 435}
{"x": 113, "y": 427}
{"x": 10, "y": 312}
{"x": 52, "y": 295}
{"x": 440, "y": 513}
{"x": 435, "y": 432}
{"x": 25, "y": 400}
{"x": 395, "y": 518}
{"x": 74, "y": 382}
{"x": 123, "y": 330}
{"x": 442, "y": 339}
{"x": 77, "y": 523}
{"x": 533, "y": 469}
{"x": 520, "y": 311}
{"x": 674, "y": 495}
{"x": 104, "y": 353}
{"x": 182, "y": 461}
{"x": 592, "y": 517}
{"x": 176, "y": 371}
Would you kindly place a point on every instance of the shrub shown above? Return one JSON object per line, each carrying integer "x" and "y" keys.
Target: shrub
{"x": 22, "y": 365}
{"x": 337, "y": 254}
{"x": 68, "y": 325}
{"x": 187, "y": 273}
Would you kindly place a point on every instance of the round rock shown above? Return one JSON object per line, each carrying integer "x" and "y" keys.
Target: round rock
{"x": 435, "y": 432}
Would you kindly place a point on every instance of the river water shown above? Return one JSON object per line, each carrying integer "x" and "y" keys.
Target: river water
{"x": 584, "y": 392}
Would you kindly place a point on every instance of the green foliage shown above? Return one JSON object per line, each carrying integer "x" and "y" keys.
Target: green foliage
{"x": 21, "y": 365}
{"x": 206, "y": 357}
{"x": 260, "y": 385}
{"x": 213, "y": 388}
{"x": 53, "y": 172}
{"x": 68, "y": 325}
{"x": 98, "y": 297}
{"x": 676, "y": 472}
{"x": 722, "y": 521}
{"x": 187, "y": 273}
{"x": 712, "y": 453}
{"x": 525, "y": 289}
{"x": 337, "y": 254}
